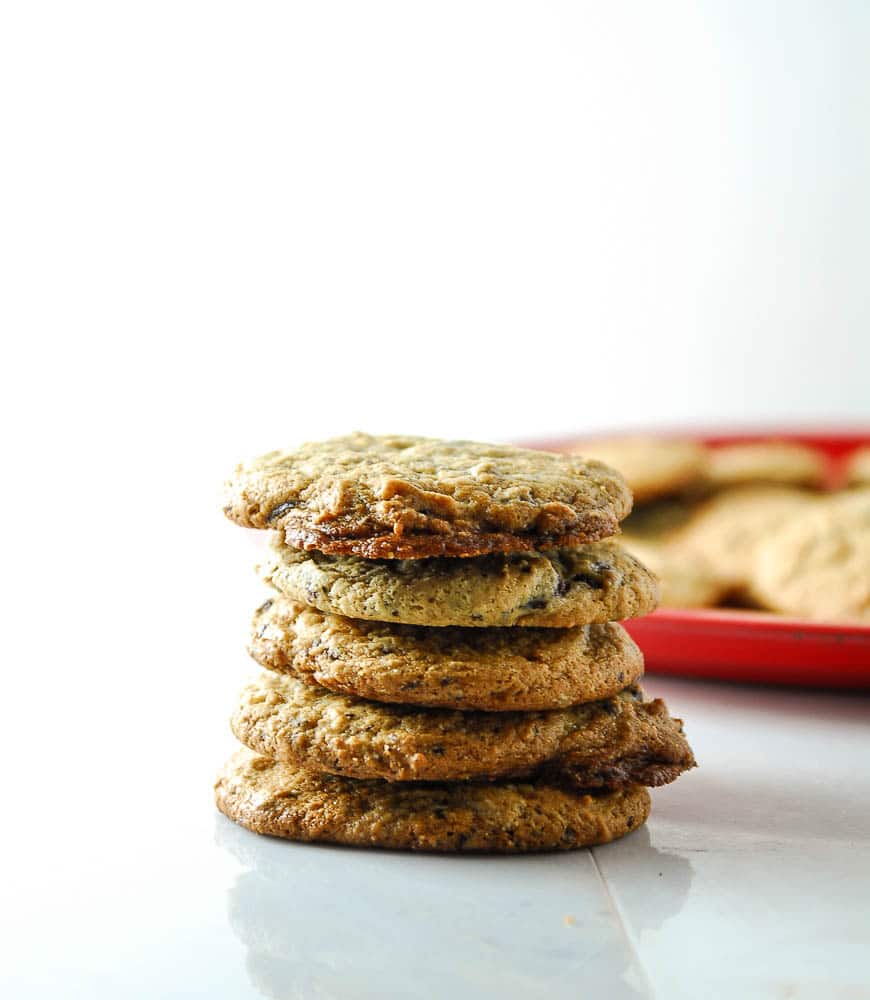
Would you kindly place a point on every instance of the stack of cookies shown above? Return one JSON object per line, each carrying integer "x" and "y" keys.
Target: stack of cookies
{"x": 446, "y": 670}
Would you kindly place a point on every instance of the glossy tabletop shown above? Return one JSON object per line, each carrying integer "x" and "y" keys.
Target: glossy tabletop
{"x": 752, "y": 879}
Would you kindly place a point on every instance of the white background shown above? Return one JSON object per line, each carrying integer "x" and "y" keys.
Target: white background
{"x": 250, "y": 223}
{"x": 227, "y": 227}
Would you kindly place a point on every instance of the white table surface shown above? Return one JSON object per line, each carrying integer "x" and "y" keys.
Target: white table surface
{"x": 752, "y": 879}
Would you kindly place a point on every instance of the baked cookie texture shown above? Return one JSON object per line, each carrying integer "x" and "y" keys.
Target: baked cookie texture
{"x": 276, "y": 798}
{"x": 818, "y": 564}
{"x": 784, "y": 462}
{"x": 557, "y": 588}
{"x": 653, "y": 467}
{"x": 409, "y": 497}
{"x": 446, "y": 670}
{"x": 728, "y": 529}
{"x": 601, "y": 744}
{"x": 493, "y": 669}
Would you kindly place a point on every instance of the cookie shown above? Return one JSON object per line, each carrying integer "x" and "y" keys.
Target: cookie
{"x": 621, "y": 740}
{"x": 818, "y": 565}
{"x": 279, "y": 799}
{"x": 558, "y": 588}
{"x": 652, "y": 466}
{"x": 411, "y": 497}
{"x": 686, "y": 580}
{"x": 494, "y": 669}
{"x": 727, "y": 530}
{"x": 858, "y": 467}
{"x": 782, "y": 462}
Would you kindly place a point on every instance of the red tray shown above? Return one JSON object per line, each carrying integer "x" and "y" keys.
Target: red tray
{"x": 740, "y": 645}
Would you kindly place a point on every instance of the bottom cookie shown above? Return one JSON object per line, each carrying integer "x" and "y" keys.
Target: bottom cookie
{"x": 282, "y": 800}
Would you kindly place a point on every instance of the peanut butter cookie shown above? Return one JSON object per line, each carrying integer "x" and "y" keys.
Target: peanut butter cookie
{"x": 275, "y": 798}
{"x": 494, "y": 669}
{"x": 411, "y": 497}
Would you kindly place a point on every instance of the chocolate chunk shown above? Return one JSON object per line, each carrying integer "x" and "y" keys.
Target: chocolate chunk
{"x": 281, "y": 509}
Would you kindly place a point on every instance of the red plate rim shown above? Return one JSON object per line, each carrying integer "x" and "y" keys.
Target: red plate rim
{"x": 762, "y": 622}
{"x": 741, "y": 644}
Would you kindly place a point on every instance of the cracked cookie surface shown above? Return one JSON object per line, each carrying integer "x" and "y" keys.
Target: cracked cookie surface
{"x": 620, "y": 740}
{"x": 275, "y": 798}
{"x": 494, "y": 669}
{"x": 409, "y": 497}
{"x": 557, "y": 588}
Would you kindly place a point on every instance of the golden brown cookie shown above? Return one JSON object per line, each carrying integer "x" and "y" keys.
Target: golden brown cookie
{"x": 494, "y": 669}
{"x": 782, "y": 462}
{"x": 409, "y": 497}
{"x": 621, "y": 740}
{"x": 652, "y": 466}
{"x": 818, "y": 565}
{"x": 726, "y": 530}
{"x": 558, "y": 588}
{"x": 275, "y": 798}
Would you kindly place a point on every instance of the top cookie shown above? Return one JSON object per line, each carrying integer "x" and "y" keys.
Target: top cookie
{"x": 653, "y": 467}
{"x": 411, "y": 497}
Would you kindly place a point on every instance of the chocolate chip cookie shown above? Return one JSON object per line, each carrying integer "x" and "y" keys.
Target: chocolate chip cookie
{"x": 409, "y": 497}
{"x": 276, "y": 798}
{"x": 726, "y": 531}
{"x": 494, "y": 669}
{"x": 558, "y": 588}
{"x": 621, "y": 740}
{"x": 818, "y": 564}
